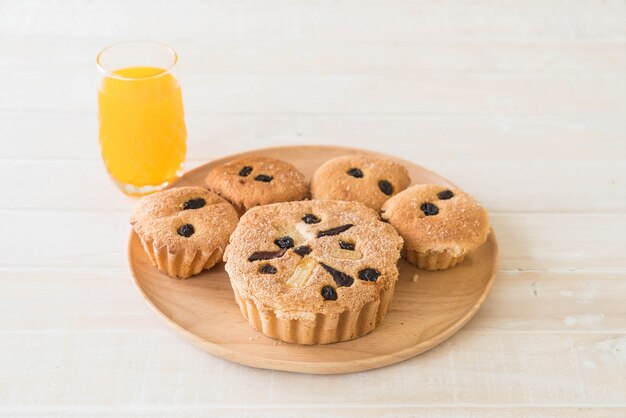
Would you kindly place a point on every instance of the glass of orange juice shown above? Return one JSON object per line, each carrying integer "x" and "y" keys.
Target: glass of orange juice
{"x": 142, "y": 124}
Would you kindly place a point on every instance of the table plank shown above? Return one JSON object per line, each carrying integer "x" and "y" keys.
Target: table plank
{"x": 305, "y": 56}
{"x": 526, "y": 240}
{"x": 371, "y": 20}
{"x": 453, "y": 94}
{"x": 315, "y": 411}
{"x": 589, "y": 187}
{"x": 423, "y": 138}
{"x": 86, "y": 369}
{"x": 44, "y": 299}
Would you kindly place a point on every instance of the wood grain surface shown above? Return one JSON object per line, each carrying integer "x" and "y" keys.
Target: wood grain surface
{"x": 519, "y": 102}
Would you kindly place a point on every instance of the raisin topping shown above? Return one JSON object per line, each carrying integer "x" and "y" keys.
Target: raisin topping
{"x": 194, "y": 203}
{"x": 302, "y": 250}
{"x": 245, "y": 172}
{"x": 342, "y": 279}
{"x": 429, "y": 209}
{"x": 369, "y": 275}
{"x": 445, "y": 195}
{"x": 264, "y": 178}
{"x": 334, "y": 231}
{"x": 329, "y": 293}
{"x": 267, "y": 269}
{"x": 266, "y": 255}
{"x": 385, "y": 187}
{"x": 309, "y": 218}
{"x": 346, "y": 245}
{"x": 355, "y": 172}
{"x": 284, "y": 242}
{"x": 186, "y": 230}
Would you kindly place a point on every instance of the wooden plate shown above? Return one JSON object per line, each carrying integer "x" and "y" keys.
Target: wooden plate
{"x": 423, "y": 313}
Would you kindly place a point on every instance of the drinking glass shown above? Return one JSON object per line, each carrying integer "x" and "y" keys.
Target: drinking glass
{"x": 141, "y": 117}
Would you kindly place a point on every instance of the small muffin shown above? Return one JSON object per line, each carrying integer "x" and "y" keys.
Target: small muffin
{"x": 184, "y": 230}
{"x": 440, "y": 225}
{"x": 313, "y": 272}
{"x": 254, "y": 181}
{"x": 368, "y": 179}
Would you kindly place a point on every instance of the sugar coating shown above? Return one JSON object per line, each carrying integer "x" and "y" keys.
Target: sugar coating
{"x": 158, "y": 216}
{"x": 245, "y": 192}
{"x": 377, "y": 244}
{"x": 460, "y": 227}
{"x": 331, "y": 180}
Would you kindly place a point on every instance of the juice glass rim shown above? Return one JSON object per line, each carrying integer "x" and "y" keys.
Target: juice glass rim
{"x": 111, "y": 73}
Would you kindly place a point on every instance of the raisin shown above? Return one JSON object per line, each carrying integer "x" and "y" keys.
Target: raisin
{"x": 369, "y": 275}
{"x": 267, "y": 269}
{"x": 385, "y": 187}
{"x": 284, "y": 242}
{"x": 346, "y": 245}
{"x": 329, "y": 293}
{"x": 334, "y": 231}
{"x": 186, "y": 230}
{"x": 264, "y": 178}
{"x": 429, "y": 209}
{"x": 309, "y": 218}
{"x": 342, "y": 279}
{"x": 355, "y": 172}
{"x": 302, "y": 250}
{"x": 266, "y": 255}
{"x": 445, "y": 195}
{"x": 194, "y": 203}
{"x": 245, "y": 172}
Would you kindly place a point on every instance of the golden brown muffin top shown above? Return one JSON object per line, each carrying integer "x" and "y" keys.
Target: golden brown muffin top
{"x": 185, "y": 218}
{"x": 437, "y": 218}
{"x": 363, "y": 178}
{"x": 303, "y": 258}
{"x": 253, "y": 181}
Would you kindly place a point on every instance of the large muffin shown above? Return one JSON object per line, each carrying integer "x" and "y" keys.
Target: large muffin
{"x": 252, "y": 181}
{"x": 184, "y": 230}
{"x": 364, "y": 178}
{"x": 440, "y": 225}
{"x": 313, "y": 272}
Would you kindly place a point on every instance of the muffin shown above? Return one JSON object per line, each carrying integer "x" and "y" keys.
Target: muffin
{"x": 439, "y": 225}
{"x": 253, "y": 181}
{"x": 368, "y": 179}
{"x": 313, "y": 272}
{"x": 184, "y": 230}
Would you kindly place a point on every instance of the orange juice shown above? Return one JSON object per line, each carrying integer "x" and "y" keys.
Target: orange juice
{"x": 142, "y": 127}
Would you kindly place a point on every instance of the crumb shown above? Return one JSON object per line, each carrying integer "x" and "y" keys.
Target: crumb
{"x": 415, "y": 277}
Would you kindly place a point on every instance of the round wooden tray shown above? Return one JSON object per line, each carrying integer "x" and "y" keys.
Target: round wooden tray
{"x": 423, "y": 314}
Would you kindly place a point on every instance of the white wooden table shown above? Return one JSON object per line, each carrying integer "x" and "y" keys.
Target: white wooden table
{"x": 522, "y": 103}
